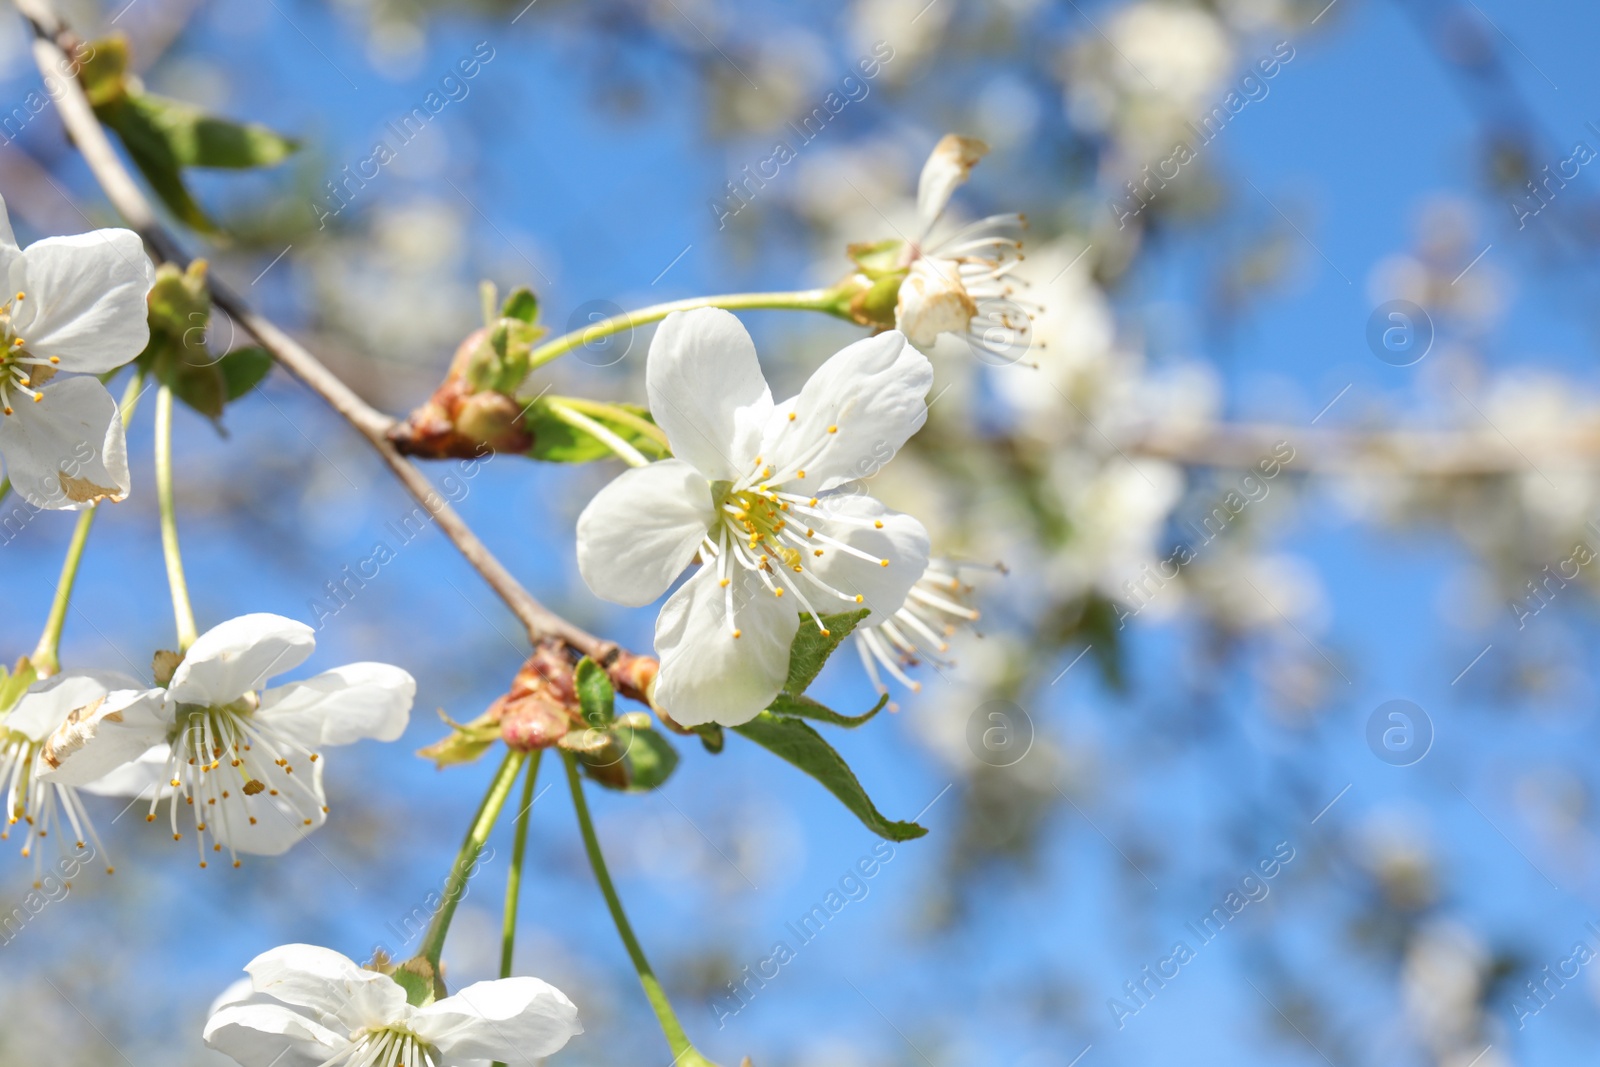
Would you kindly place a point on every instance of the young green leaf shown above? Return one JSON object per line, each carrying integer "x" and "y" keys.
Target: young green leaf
{"x": 793, "y": 740}
{"x": 556, "y": 442}
{"x": 521, "y": 304}
{"x": 807, "y": 708}
{"x": 595, "y": 694}
{"x": 812, "y": 647}
{"x": 633, "y": 759}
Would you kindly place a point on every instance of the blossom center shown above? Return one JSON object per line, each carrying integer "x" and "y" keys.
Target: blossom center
{"x": 222, "y": 759}
{"x": 771, "y": 534}
{"x": 21, "y": 372}
{"x": 384, "y": 1046}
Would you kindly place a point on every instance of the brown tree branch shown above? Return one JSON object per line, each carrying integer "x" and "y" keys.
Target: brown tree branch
{"x": 51, "y": 47}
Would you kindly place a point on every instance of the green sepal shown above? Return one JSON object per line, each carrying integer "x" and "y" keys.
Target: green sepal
{"x": 556, "y": 442}
{"x": 812, "y": 647}
{"x": 635, "y": 758}
{"x": 243, "y": 369}
{"x": 879, "y": 258}
{"x": 15, "y": 682}
{"x": 712, "y": 737}
{"x": 596, "y": 696}
{"x": 806, "y": 708}
{"x": 416, "y": 976}
{"x": 794, "y": 741}
{"x": 466, "y": 742}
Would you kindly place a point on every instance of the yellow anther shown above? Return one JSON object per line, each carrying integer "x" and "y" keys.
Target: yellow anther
{"x": 859, "y": 598}
{"x": 883, "y": 563}
{"x": 800, "y": 474}
{"x": 878, "y": 523}
{"x": 724, "y": 582}
{"x": 817, "y": 552}
{"x": 778, "y": 591}
{"x": 791, "y": 414}
{"x": 833, "y": 429}
{"x": 55, "y": 359}
{"x": 736, "y": 633}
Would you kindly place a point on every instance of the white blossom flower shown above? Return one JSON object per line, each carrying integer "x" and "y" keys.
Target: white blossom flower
{"x": 77, "y": 306}
{"x": 248, "y": 762}
{"x": 312, "y": 1007}
{"x": 43, "y": 807}
{"x": 961, "y": 284}
{"x": 919, "y": 632}
{"x": 768, "y": 496}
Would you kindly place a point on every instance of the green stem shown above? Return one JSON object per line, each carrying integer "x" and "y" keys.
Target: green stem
{"x": 519, "y": 849}
{"x": 826, "y": 300}
{"x": 47, "y": 657}
{"x": 467, "y": 859}
{"x": 683, "y": 1049}
{"x": 182, "y": 610}
{"x": 579, "y": 421}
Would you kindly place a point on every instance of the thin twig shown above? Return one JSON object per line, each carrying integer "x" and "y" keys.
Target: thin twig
{"x": 52, "y": 43}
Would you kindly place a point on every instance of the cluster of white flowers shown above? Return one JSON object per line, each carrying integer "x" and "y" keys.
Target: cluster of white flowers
{"x": 247, "y": 762}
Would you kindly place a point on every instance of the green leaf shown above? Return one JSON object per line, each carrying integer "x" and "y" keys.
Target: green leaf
{"x": 556, "y": 442}
{"x": 243, "y": 369}
{"x": 148, "y": 148}
{"x": 521, "y": 304}
{"x": 805, "y": 707}
{"x": 793, "y": 740}
{"x": 812, "y": 647}
{"x": 197, "y": 139}
{"x": 595, "y": 694}
{"x": 163, "y": 136}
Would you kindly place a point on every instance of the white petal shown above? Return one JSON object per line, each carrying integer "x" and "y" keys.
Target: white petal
{"x": 46, "y": 705}
{"x": 119, "y": 731}
{"x": 66, "y": 451}
{"x": 707, "y": 674}
{"x": 143, "y": 777}
{"x": 513, "y": 1020}
{"x": 707, "y": 391}
{"x": 85, "y": 300}
{"x": 947, "y": 168}
{"x": 270, "y": 1035}
{"x": 237, "y": 657}
{"x": 331, "y": 985}
{"x": 280, "y": 824}
{"x": 641, "y": 531}
{"x": 870, "y": 394}
{"x": 933, "y": 301}
{"x": 902, "y": 541}
{"x": 342, "y": 706}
